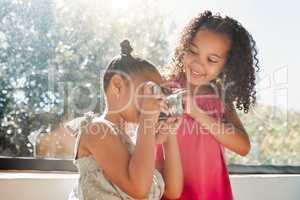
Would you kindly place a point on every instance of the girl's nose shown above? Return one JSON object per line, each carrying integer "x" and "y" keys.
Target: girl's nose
{"x": 199, "y": 67}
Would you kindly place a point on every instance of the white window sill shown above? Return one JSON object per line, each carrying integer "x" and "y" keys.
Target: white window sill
{"x": 33, "y": 185}
{"x": 33, "y": 174}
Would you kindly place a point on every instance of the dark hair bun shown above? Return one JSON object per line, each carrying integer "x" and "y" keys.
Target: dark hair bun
{"x": 126, "y": 48}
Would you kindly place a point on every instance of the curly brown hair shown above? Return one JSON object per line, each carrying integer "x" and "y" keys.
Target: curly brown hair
{"x": 241, "y": 60}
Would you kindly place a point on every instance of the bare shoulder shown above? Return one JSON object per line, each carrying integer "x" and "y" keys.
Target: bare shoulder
{"x": 101, "y": 141}
{"x": 97, "y": 132}
{"x": 92, "y": 134}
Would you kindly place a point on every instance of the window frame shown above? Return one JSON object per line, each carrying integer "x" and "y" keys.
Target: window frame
{"x": 66, "y": 165}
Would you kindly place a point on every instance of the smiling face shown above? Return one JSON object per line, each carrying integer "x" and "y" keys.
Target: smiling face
{"x": 206, "y": 57}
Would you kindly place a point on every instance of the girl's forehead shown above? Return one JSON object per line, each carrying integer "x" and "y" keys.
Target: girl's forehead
{"x": 211, "y": 40}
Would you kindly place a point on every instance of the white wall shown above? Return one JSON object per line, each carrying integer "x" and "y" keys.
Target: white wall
{"x": 50, "y": 186}
{"x": 266, "y": 187}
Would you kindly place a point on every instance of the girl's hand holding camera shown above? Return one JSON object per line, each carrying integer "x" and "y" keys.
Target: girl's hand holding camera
{"x": 191, "y": 108}
{"x": 152, "y": 104}
{"x": 165, "y": 129}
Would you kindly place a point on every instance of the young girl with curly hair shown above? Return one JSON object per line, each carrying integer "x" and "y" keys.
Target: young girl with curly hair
{"x": 215, "y": 61}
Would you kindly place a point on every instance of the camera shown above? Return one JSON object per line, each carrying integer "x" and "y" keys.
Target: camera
{"x": 174, "y": 101}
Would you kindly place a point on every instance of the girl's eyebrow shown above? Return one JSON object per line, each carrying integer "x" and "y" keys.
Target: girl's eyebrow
{"x": 213, "y": 54}
{"x": 194, "y": 45}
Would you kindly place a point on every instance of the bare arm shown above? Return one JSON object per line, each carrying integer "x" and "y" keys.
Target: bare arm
{"x": 232, "y": 134}
{"x": 132, "y": 173}
{"x": 171, "y": 167}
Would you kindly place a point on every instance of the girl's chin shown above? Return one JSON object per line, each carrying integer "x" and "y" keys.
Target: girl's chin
{"x": 198, "y": 82}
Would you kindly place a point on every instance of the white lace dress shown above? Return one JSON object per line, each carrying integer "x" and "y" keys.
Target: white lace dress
{"x": 92, "y": 183}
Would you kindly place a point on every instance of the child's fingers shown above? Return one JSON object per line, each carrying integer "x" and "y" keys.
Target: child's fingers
{"x": 179, "y": 119}
{"x": 158, "y": 125}
{"x": 174, "y": 122}
{"x": 163, "y": 106}
{"x": 161, "y": 138}
{"x": 171, "y": 119}
{"x": 185, "y": 99}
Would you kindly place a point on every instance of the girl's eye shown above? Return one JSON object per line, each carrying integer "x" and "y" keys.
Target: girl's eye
{"x": 212, "y": 61}
{"x": 193, "y": 52}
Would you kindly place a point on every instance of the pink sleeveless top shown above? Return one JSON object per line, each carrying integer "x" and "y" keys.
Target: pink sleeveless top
{"x": 204, "y": 166}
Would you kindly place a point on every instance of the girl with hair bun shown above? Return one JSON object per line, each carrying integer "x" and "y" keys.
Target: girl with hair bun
{"x": 111, "y": 166}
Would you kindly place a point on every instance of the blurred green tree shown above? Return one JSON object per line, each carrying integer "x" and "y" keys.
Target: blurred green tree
{"x": 52, "y": 57}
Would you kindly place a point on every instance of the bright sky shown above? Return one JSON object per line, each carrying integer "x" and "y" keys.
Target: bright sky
{"x": 275, "y": 27}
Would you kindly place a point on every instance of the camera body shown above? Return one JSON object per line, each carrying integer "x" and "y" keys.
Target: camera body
{"x": 174, "y": 101}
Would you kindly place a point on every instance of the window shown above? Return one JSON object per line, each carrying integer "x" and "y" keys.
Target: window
{"x": 53, "y": 53}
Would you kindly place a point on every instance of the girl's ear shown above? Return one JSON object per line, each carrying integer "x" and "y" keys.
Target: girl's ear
{"x": 117, "y": 84}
